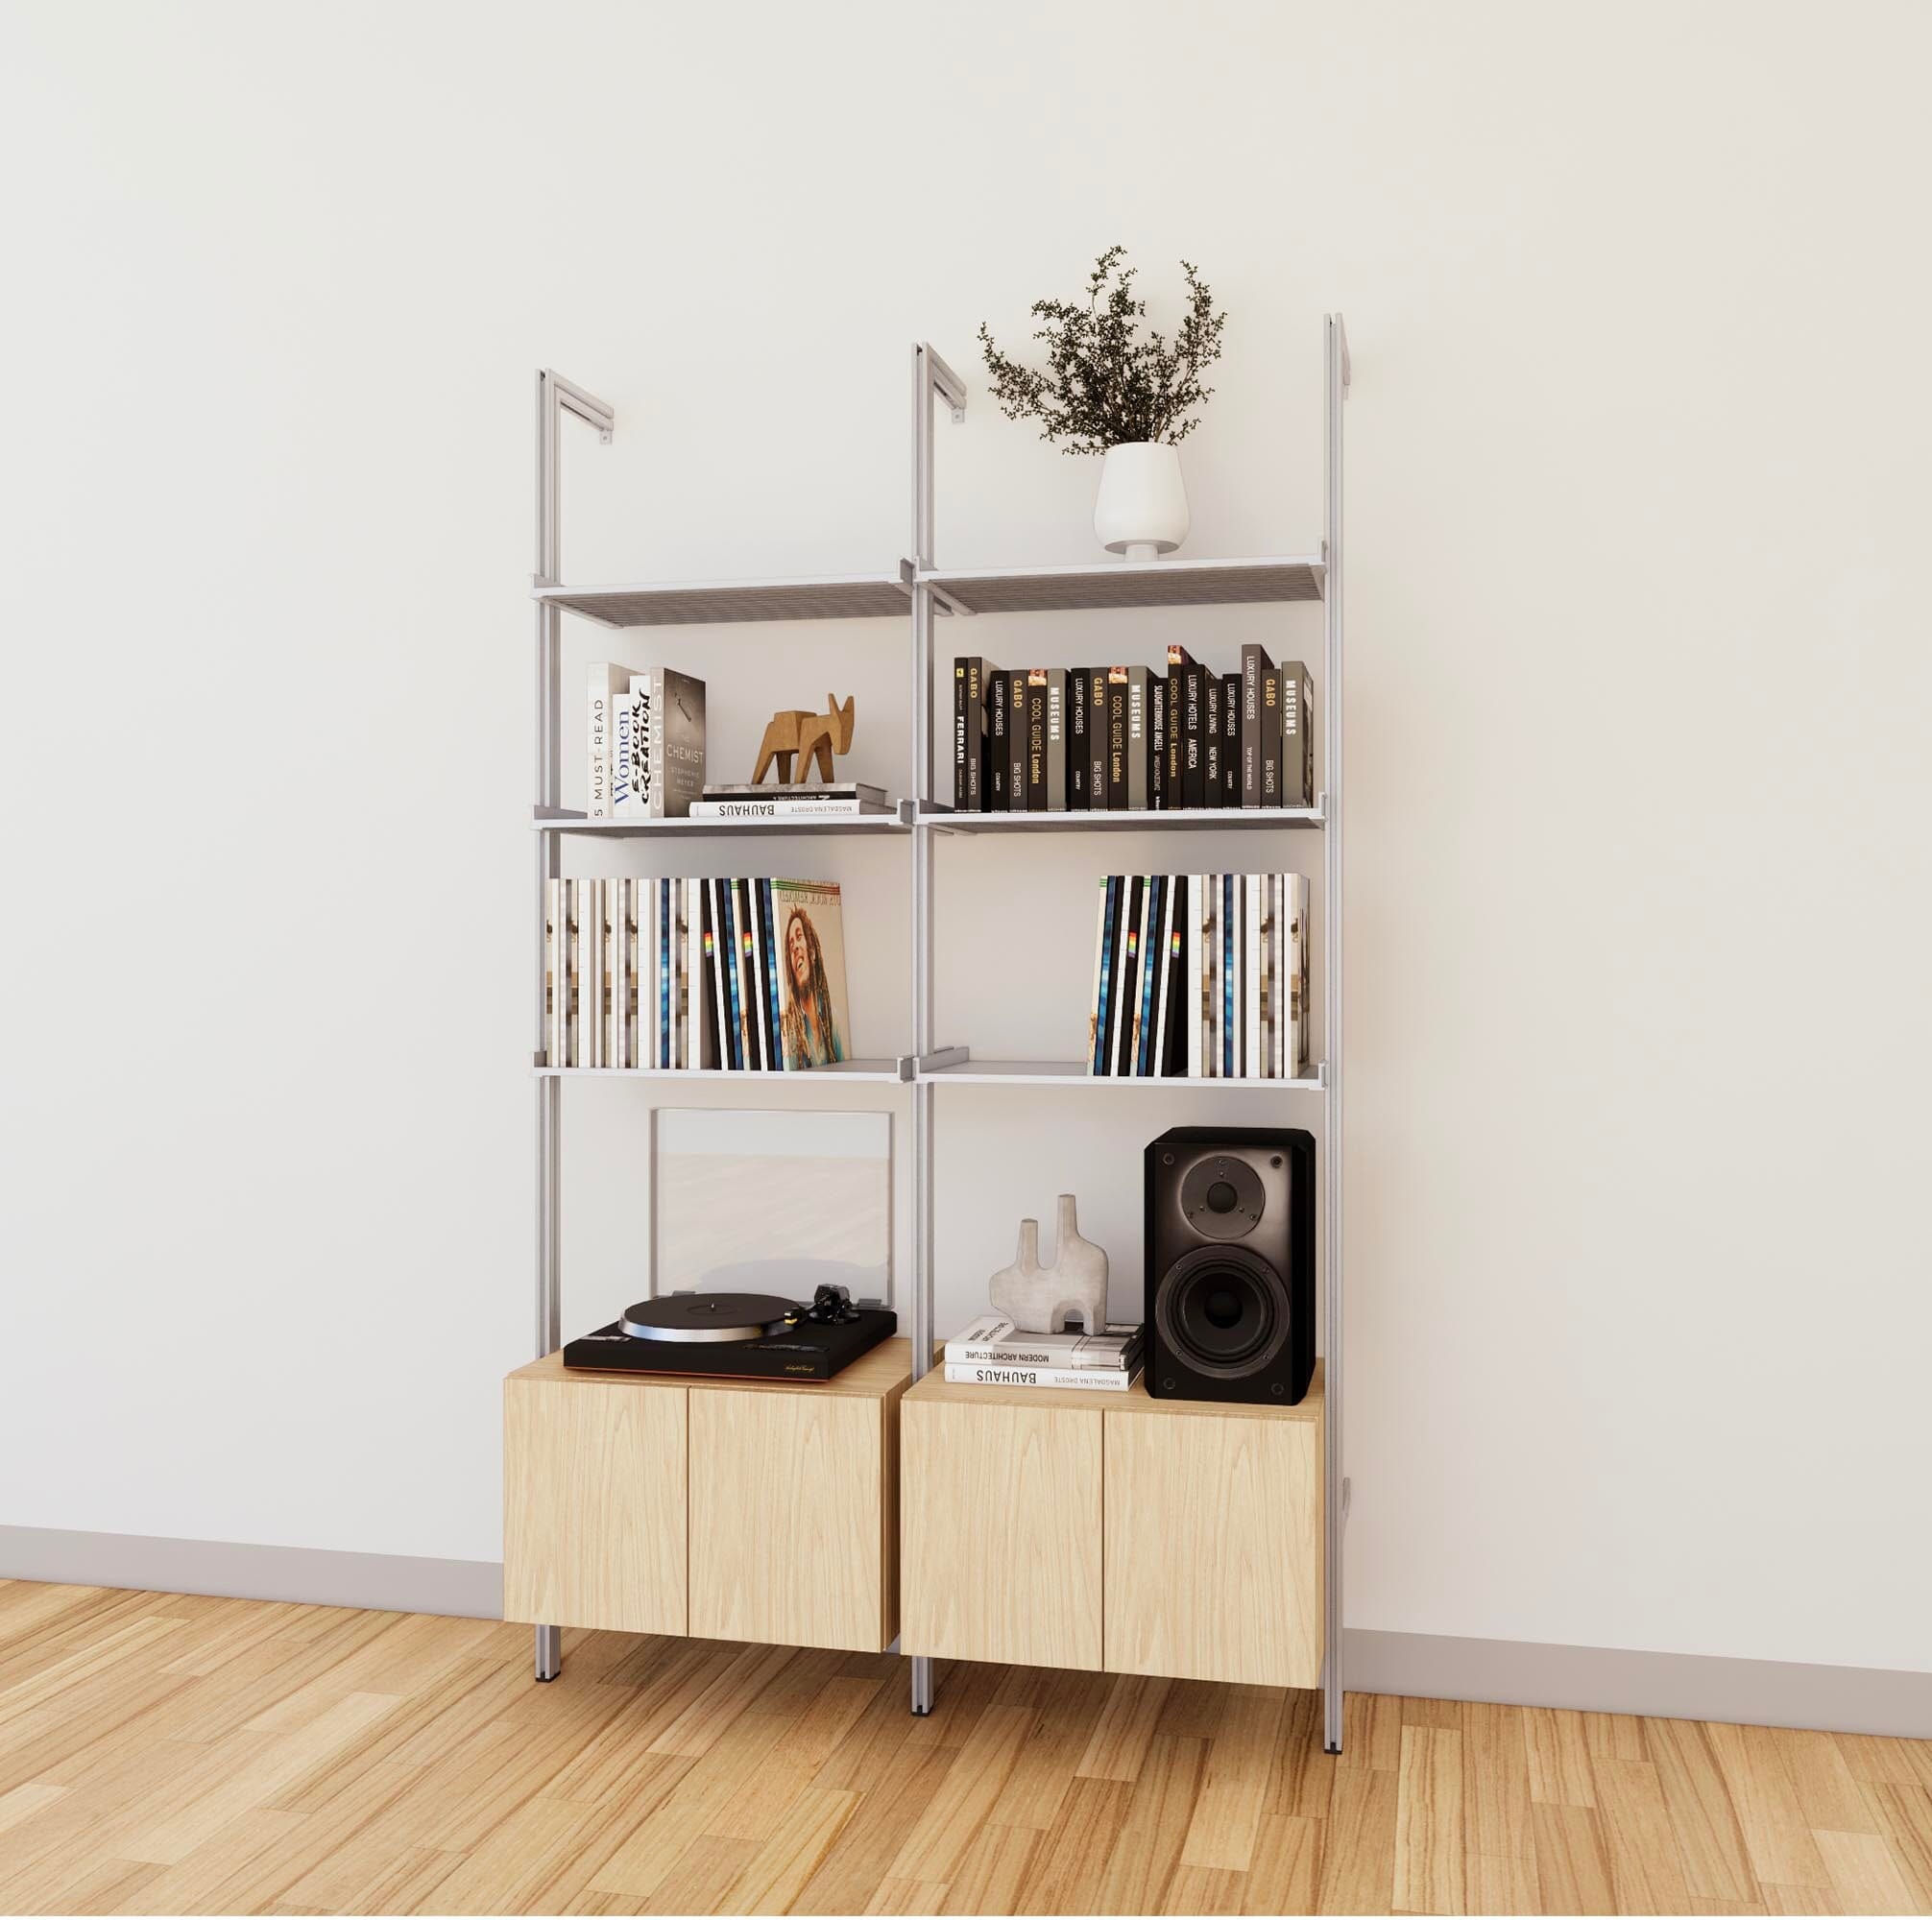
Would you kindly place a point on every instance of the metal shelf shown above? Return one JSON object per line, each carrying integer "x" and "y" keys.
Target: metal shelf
{"x": 1076, "y": 1073}
{"x": 900, "y": 821}
{"x": 1127, "y": 583}
{"x": 893, "y": 1073}
{"x": 691, "y": 603}
{"x": 1195, "y": 819}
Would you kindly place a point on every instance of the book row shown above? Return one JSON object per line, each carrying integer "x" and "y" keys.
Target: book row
{"x": 1088, "y": 740}
{"x": 744, "y": 974}
{"x": 1202, "y": 976}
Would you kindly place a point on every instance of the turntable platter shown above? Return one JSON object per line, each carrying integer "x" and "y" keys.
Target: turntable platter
{"x": 709, "y": 1316}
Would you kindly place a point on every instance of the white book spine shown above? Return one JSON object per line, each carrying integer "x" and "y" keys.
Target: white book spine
{"x": 644, "y": 775}
{"x": 786, "y": 809}
{"x": 1164, "y": 978}
{"x": 623, "y": 768}
{"x": 566, "y": 979}
{"x": 1087, "y": 1379}
{"x": 553, "y": 999}
{"x": 755, "y": 980}
{"x": 1299, "y": 980}
{"x": 616, "y": 965}
{"x": 597, "y": 803}
{"x": 665, "y": 1010}
{"x": 590, "y": 987}
{"x": 980, "y": 1354}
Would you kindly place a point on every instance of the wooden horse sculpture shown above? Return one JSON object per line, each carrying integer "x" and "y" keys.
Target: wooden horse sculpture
{"x": 805, "y": 737}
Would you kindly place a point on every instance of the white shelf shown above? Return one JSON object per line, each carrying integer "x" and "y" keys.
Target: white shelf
{"x": 1076, "y": 1073}
{"x": 690, "y": 603}
{"x": 1127, "y": 582}
{"x": 896, "y": 821}
{"x": 891, "y": 1072}
{"x": 1195, "y": 819}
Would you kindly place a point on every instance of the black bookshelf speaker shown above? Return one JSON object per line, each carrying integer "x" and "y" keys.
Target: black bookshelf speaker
{"x": 1230, "y": 1246}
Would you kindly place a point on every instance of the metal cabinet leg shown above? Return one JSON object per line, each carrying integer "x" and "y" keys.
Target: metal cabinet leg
{"x": 550, "y": 1652}
{"x": 922, "y": 1684}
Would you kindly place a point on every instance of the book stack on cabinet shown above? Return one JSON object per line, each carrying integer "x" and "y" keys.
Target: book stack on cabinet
{"x": 992, "y": 1352}
{"x": 1159, "y": 738}
{"x": 646, "y": 742}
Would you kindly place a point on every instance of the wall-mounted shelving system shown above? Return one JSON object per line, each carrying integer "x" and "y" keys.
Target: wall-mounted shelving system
{"x": 920, "y": 593}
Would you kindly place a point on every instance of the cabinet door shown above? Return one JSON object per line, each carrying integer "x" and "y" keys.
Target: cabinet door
{"x": 1214, "y": 1547}
{"x": 791, "y": 1518}
{"x": 594, "y": 1504}
{"x": 1002, "y": 1532}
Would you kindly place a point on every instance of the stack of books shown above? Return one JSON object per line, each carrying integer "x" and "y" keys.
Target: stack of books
{"x": 1200, "y": 977}
{"x": 804, "y": 800}
{"x": 647, "y": 743}
{"x": 1135, "y": 738}
{"x": 992, "y": 1352}
{"x": 719, "y": 974}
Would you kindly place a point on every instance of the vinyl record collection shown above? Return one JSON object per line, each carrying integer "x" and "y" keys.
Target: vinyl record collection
{"x": 1154, "y": 739}
{"x": 669, "y": 974}
{"x": 1200, "y": 977}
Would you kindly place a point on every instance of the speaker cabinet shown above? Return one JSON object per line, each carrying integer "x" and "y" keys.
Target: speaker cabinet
{"x": 1230, "y": 1264}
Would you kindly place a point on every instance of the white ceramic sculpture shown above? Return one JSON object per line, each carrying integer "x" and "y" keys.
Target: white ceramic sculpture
{"x": 1042, "y": 1299}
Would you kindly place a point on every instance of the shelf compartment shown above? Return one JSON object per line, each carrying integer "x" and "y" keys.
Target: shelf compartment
{"x": 1125, "y": 583}
{"x": 1074, "y": 1073}
{"x": 890, "y": 1073}
{"x": 900, "y": 821}
{"x": 694, "y": 603}
{"x": 1197, "y": 819}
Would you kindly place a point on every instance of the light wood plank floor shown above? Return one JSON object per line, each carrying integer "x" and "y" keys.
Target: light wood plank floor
{"x": 169, "y": 1755}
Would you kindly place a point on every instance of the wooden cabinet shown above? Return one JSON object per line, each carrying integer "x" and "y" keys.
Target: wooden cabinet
{"x": 1116, "y": 1531}
{"x": 1003, "y": 1520}
{"x": 728, "y": 1509}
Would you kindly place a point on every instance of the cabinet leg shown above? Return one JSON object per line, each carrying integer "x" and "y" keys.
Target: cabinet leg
{"x": 550, "y": 1652}
{"x": 922, "y": 1684}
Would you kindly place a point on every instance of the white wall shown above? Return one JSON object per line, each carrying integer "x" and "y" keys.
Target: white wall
{"x": 1638, "y": 851}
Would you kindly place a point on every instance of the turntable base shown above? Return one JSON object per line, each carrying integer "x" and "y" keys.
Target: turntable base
{"x": 724, "y": 1336}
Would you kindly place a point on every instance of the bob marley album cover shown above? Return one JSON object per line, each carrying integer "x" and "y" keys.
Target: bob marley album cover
{"x": 814, "y": 1020}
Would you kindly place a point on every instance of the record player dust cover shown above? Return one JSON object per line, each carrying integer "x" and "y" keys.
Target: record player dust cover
{"x": 810, "y": 929}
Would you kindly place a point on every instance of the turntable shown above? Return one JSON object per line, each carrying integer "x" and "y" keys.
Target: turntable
{"x": 736, "y": 1336}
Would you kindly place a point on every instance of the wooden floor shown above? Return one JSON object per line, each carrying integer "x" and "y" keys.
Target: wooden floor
{"x": 162, "y": 1755}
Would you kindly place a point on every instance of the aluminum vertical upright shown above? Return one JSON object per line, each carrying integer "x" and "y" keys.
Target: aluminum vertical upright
{"x": 555, "y": 396}
{"x": 930, "y": 377}
{"x": 1335, "y": 1492}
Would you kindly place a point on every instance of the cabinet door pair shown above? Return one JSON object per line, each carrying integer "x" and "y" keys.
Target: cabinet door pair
{"x": 725, "y": 1514}
{"x": 1133, "y": 1540}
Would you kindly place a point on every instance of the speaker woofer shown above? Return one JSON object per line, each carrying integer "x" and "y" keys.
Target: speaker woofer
{"x": 1223, "y": 1311}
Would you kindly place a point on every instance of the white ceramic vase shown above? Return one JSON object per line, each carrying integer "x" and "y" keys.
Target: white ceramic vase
{"x": 1141, "y": 509}
{"x": 1044, "y": 1299}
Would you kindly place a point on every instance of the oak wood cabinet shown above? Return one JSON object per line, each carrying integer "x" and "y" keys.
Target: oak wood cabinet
{"x": 1116, "y": 1531}
{"x": 727, "y": 1510}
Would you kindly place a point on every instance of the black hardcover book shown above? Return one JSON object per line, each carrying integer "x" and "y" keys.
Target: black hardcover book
{"x": 767, "y": 977}
{"x": 1270, "y": 737}
{"x": 748, "y": 997}
{"x": 1194, "y": 767}
{"x": 1157, "y": 741}
{"x": 1128, "y": 980}
{"x": 1174, "y": 1054}
{"x": 1230, "y": 740}
{"x": 1117, "y": 738}
{"x": 1016, "y": 744}
{"x": 730, "y": 1057}
{"x": 1210, "y": 739}
{"x": 1079, "y": 692}
{"x": 959, "y": 804}
{"x": 1036, "y": 740}
{"x": 711, "y": 1026}
{"x": 1139, "y": 738}
{"x": 1178, "y": 662}
{"x": 1254, "y": 662}
{"x": 997, "y": 708}
{"x": 1153, "y": 945}
{"x": 1096, "y": 740}
{"x": 1058, "y": 754}
{"x": 1103, "y": 975}
{"x": 969, "y": 708}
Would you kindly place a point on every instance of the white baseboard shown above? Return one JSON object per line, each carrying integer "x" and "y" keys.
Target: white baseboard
{"x": 389, "y": 1582}
{"x": 1438, "y": 1666}
{"x": 1618, "y": 1680}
